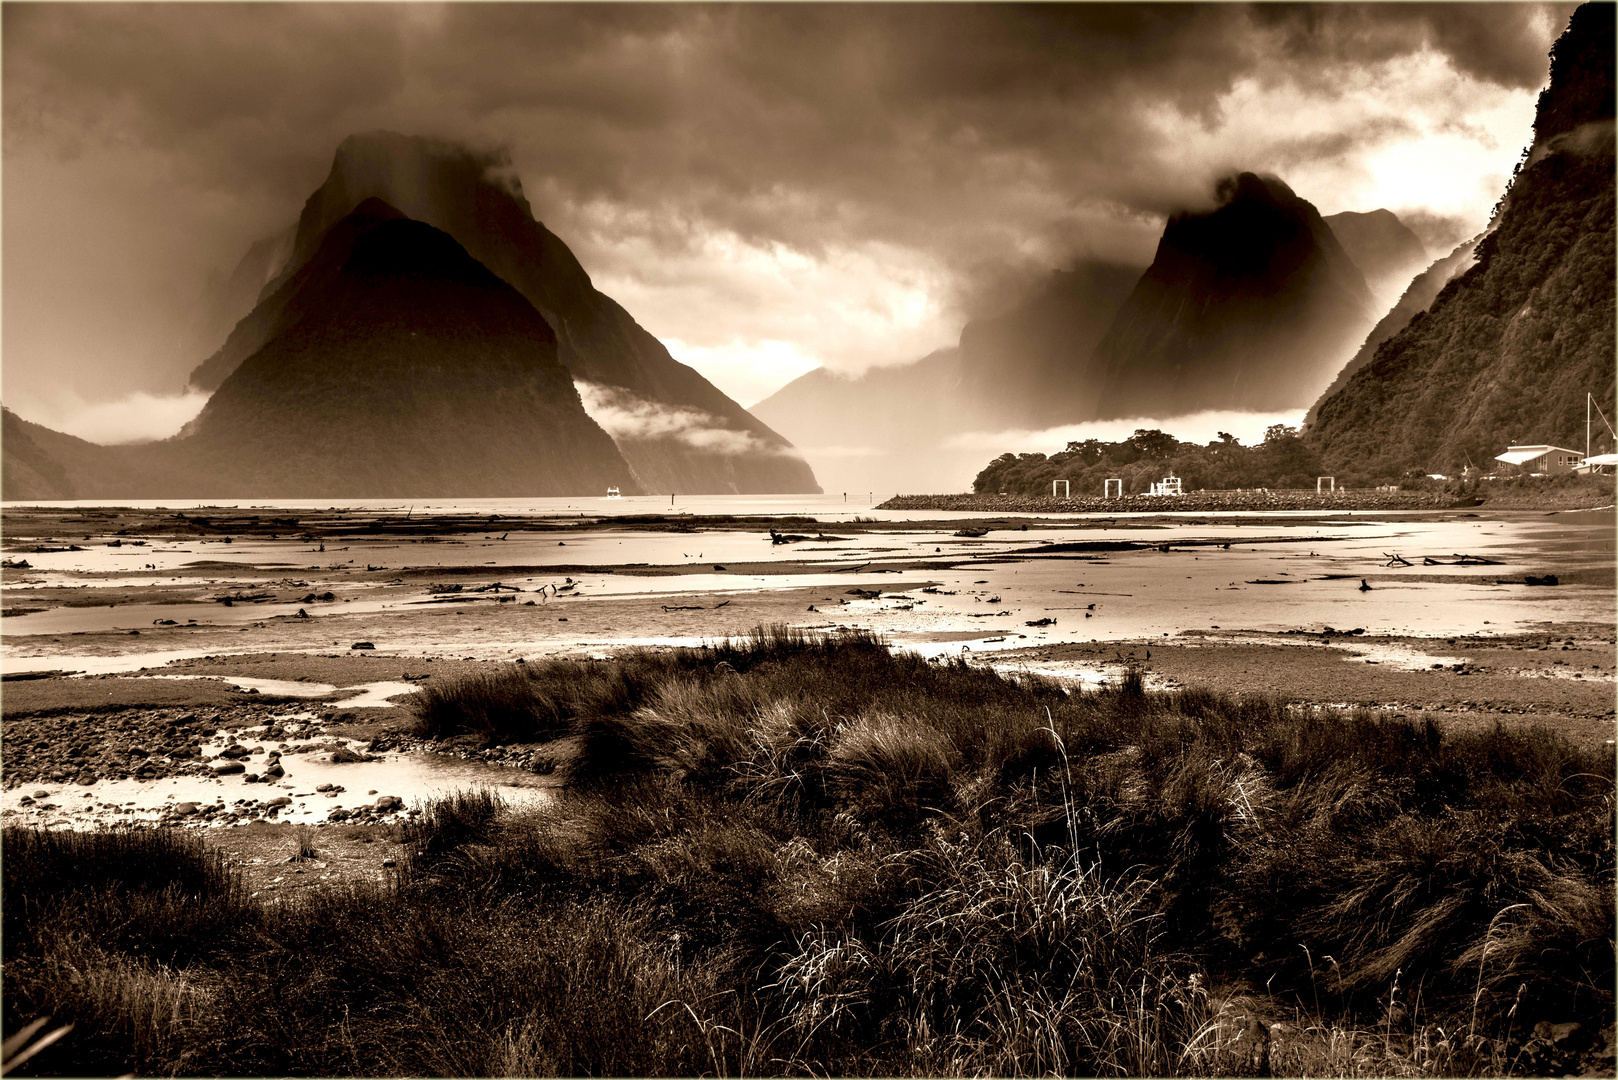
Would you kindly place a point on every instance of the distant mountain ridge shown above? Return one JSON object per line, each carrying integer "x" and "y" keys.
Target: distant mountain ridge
{"x": 457, "y": 190}
{"x": 1507, "y": 350}
{"x": 1387, "y": 253}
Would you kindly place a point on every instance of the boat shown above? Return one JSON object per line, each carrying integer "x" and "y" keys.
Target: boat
{"x": 612, "y": 493}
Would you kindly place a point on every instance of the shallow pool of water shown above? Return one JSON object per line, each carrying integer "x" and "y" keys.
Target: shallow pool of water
{"x": 414, "y": 777}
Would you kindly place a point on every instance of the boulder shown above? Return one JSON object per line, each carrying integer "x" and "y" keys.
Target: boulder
{"x": 225, "y": 768}
{"x": 389, "y": 803}
{"x": 185, "y": 809}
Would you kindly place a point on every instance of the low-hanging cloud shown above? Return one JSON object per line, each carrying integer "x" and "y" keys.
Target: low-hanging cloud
{"x": 140, "y": 417}
{"x": 625, "y": 415}
{"x": 935, "y": 150}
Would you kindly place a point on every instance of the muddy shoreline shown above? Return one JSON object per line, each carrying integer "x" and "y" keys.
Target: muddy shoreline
{"x": 154, "y": 638}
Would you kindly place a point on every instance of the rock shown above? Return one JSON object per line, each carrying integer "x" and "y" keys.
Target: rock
{"x": 250, "y": 778}
{"x": 280, "y": 800}
{"x": 226, "y": 768}
{"x": 344, "y": 756}
{"x": 274, "y": 772}
{"x": 337, "y": 814}
{"x": 185, "y": 809}
{"x": 389, "y": 863}
{"x": 235, "y": 750}
{"x": 389, "y": 802}
{"x": 87, "y": 777}
{"x": 362, "y": 645}
{"x": 42, "y": 794}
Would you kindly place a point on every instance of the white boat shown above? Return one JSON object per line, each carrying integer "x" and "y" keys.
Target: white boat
{"x": 612, "y": 493}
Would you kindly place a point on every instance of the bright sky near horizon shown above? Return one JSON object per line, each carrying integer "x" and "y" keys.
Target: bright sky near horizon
{"x": 767, "y": 188}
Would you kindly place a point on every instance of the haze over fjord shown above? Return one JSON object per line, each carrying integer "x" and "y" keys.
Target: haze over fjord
{"x": 766, "y": 189}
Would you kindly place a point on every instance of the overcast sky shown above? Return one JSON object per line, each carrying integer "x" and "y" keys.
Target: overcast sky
{"x": 767, "y": 188}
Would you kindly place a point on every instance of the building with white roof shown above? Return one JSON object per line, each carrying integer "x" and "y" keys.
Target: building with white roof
{"x": 1541, "y": 459}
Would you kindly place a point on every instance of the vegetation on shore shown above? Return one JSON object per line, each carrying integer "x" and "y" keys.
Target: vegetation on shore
{"x": 1282, "y": 460}
{"x": 1279, "y": 473}
{"x": 797, "y": 854}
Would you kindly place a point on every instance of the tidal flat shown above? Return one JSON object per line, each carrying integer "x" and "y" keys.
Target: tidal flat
{"x": 517, "y": 704}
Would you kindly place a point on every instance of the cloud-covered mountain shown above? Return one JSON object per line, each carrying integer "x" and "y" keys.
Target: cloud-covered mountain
{"x": 679, "y": 433}
{"x": 1252, "y": 305}
{"x": 395, "y": 364}
{"x": 1507, "y": 351}
{"x": 390, "y": 364}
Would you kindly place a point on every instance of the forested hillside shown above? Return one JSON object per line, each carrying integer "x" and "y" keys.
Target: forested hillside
{"x": 1508, "y": 350}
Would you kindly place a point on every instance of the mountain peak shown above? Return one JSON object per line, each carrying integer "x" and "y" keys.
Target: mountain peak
{"x": 1581, "y": 82}
{"x": 1249, "y": 305}
{"x": 473, "y": 196}
{"x": 1251, "y": 187}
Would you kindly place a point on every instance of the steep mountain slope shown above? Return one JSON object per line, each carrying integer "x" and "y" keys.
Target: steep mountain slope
{"x": 1026, "y": 368}
{"x": 1508, "y": 350}
{"x": 678, "y": 431}
{"x": 396, "y": 365}
{"x": 1253, "y": 305}
{"x": 1386, "y": 252}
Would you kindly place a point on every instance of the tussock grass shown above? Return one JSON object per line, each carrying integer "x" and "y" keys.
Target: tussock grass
{"x": 794, "y": 853}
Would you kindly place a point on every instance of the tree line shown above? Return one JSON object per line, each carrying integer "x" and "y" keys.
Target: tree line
{"x": 1282, "y": 460}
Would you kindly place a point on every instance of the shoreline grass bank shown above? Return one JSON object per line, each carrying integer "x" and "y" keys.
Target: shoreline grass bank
{"x": 1192, "y": 501}
{"x": 796, "y": 854}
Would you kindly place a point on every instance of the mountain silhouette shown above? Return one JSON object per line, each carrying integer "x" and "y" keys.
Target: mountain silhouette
{"x": 678, "y": 431}
{"x": 391, "y": 364}
{"x": 397, "y": 365}
{"x": 1252, "y": 305}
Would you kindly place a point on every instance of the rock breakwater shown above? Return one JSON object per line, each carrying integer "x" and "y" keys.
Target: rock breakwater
{"x": 1193, "y": 501}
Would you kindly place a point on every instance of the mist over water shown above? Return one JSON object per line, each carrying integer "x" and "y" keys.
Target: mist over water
{"x": 139, "y": 417}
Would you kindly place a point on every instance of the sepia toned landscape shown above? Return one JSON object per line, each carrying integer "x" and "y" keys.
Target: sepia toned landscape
{"x": 413, "y": 663}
